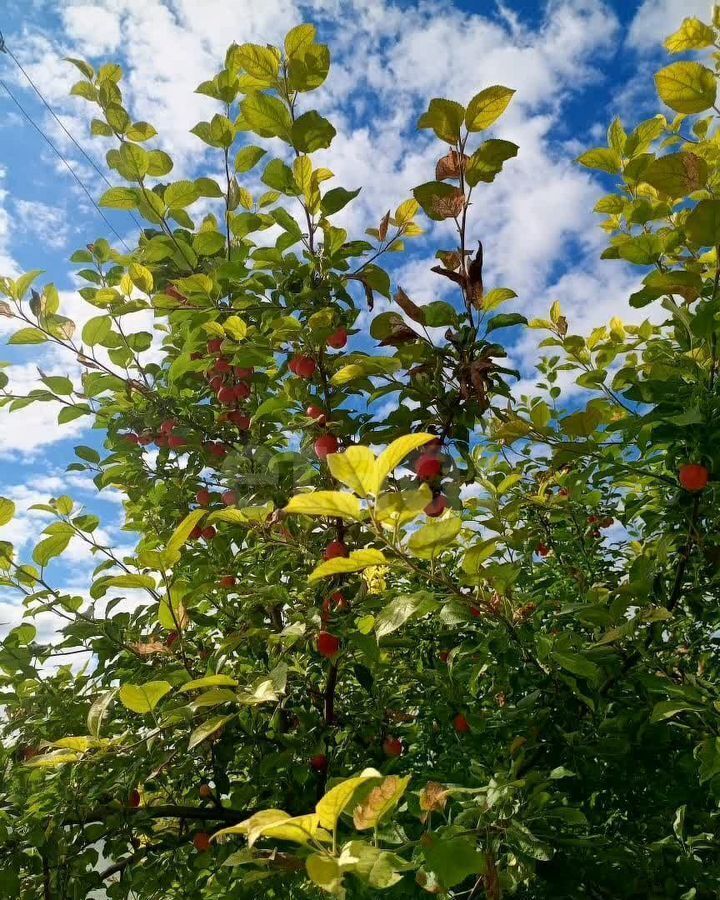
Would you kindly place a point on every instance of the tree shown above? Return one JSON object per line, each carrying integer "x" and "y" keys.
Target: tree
{"x": 347, "y": 674}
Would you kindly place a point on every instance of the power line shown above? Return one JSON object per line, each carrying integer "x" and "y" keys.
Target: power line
{"x": 61, "y": 157}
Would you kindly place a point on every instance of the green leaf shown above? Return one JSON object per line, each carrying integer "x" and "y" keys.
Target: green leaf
{"x": 143, "y": 698}
{"x": 248, "y": 157}
{"x": 401, "y": 610}
{"x": 486, "y": 107}
{"x": 434, "y": 537}
{"x": 487, "y": 161}
{"x": 207, "y": 729}
{"x": 7, "y": 510}
{"x": 336, "y": 199}
{"x": 324, "y": 871}
{"x": 687, "y": 87}
{"x": 445, "y": 117}
{"x": 98, "y": 710}
{"x": 703, "y": 223}
{"x": 452, "y": 857}
{"x": 28, "y": 336}
{"x": 181, "y": 194}
{"x": 439, "y": 200}
{"x": 311, "y": 132}
{"x": 667, "y": 709}
{"x": 326, "y": 503}
{"x": 207, "y": 682}
{"x": 578, "y": 664}
{"x": 602, "y": 159}
{"x": 263, "y": 63}
{"x": 267, "y": 116}
{"x": 505, "y": 320}
{"x": 677, "y": 174}
{"x": 145, "y": 582}
{"x": 96, "y": 330}
{"x": 50, "y": 547}
{"x": 119, "y": 198}
{"x": 280, "y": 177}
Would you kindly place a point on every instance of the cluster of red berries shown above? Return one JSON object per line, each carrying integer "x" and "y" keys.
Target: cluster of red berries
{"x": 230, "y": 384}
{"x": 166, "y": 437}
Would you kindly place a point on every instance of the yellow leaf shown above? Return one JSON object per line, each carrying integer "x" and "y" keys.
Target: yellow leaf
{"x": 208, "y": 681}
{"x": 398, "y": 507}
{"x": 430, "y": 540}
{"x": 182, "y": 532}
{"x": 355, "y": 468}
{"x": 687, "y": 87}
{"x": 324, "y": 871}
{"x": 235, "y": 328}
{"x": 487, "y": 106}
{"x": 143, "y": 698}
{"x": 299, "y": 829}
{"x": 325, "y": 503}
{"x": 56, "y": 758}
{"x": 407, "y": 211}
{"x": 330, "y": 807}
{"x": 393, "y": 455}
{"x": 253, "y": 827}
{"x": 356, "y": 562}
{"x": 380, "y": 801}
{"x": 691, "y": 35}
{"x": 80, "y": 744}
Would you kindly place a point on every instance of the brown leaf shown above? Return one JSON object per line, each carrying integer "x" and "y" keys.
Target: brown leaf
{"x": 453, "y": 276}
{"x": 449, "y": 207}
{"x": 383, "y": 227}
{"x": 416, "y": 313}
{"x": 433, "y": 797}
{"x": 150, "y": 648}
{"x": 475, "y": 282}
{"x": 379, "y": 802}
{"x": 451, "y": 259}
{"x": 562, "y": 326}
{"x": 449, "y": 166}
{"x": 400, "y": 333}
{"x": 5, "y": 309}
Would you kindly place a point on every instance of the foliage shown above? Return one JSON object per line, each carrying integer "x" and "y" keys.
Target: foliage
{"x": 348, "y": 686}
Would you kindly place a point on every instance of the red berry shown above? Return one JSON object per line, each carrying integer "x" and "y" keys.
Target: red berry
{"x": 335, "y": 602}
{"x": 542, "y": 550}
{"x": 444, "y": 655}
{"x": 392, "y": 746}
{"x": 130, "y": 438}
{"x": 168, "y": 425}
{"x": 221, "y": 367}
{"x": 292, "y": 365}
{"x": 319, "y": 762}
{"x": 328, "y": 443}
{"x": 214, "y": 345}
{"x": 693, "y": 477}
{"x": 203, "y": 497}
{"x": 328, "y": 645}
{"x": 335, "y": 549}
{"x": 134, "y": 799}
{"x": 337, "y": 339}
{"x": 205, "y": 792}
{"x": 161, "y": 440}
{"x": 227, "y": 581}
{"x": 316, "y": 414}
{"x": 217, "y": 383}
{"x": 209, "y": 532}
{"x": 172, "y": 639}
{"x": 592, "y": 520}
{"x": 433, "y": 447}
{"x": 304, "y": 366}
{"x": 244, "y": 374}
{"x": 242, "y": 391}
{"x": 195, "y": 533}
{"x": 218, "y": 450}
{"x": 201, "y": 841}
{"x": 229, "y": 498}
{"x": 475, "y": 612}
{"x": 240, "y": 419}
{"x": 428, "y": 468}
{"x": 226, "y": 396}
{"x": 461, "y": 724}
{"x": 436, "y": 507}
{"x": 144, "y": 439}
{"x": 176, "y": 440}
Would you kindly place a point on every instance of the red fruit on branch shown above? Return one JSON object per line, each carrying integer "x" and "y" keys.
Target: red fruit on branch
{"x": 175, "y": 441}
{"x": 226, "y": 396}
{"x": 201, "y": 842}
{"x": 243, "y": 374}
{"x": 693, "y": 477}
{"x": 427, "y": 468}
{"x": 217, "y": 383}
{"x": 475, "y": 612}
{"x": 324, "y": 445}
{"x": 328, "y": 645}
{"x": 195, "y": 533}
{"x": 209, "y": 532}
{"x": 335, "y": 549}
{"x": 227, "y": 581}
{"x": 461, "y": 724}
{"x": 130, "y": 438}
{"x": 316, "y": 414}
{"x": 218, "y": 450}
{"x": 205, "y": 792}
{"x": 334, "y": 603}
{"x": 303, "y": 366}
{"x": 240, "y": 419}
{"x": 203, "y": 497}
{"x": 221, "y": 367}
{"x": 134, "y": 799}
{"x": 319, "y": 763}
{"x": 214, "y": 345}
{"x": 144, "y": 439}
{"x": 167, "y": 426}
{"x": 542, "y": 549}
{"x": 242, "y": 391}
{"x": 392, "y": 747}
{"x": 229, "y": 498}
{"x": 337, "y": 339}
{"x": 436, "y": 507}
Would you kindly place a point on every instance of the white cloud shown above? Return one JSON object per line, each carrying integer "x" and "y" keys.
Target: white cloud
{"x": 97, "y": 29}
{"x": 44, "y": 223}
{"x": 656, "y": 19}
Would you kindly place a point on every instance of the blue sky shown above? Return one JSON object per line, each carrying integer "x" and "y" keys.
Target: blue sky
{"x": 574, "y": 63}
